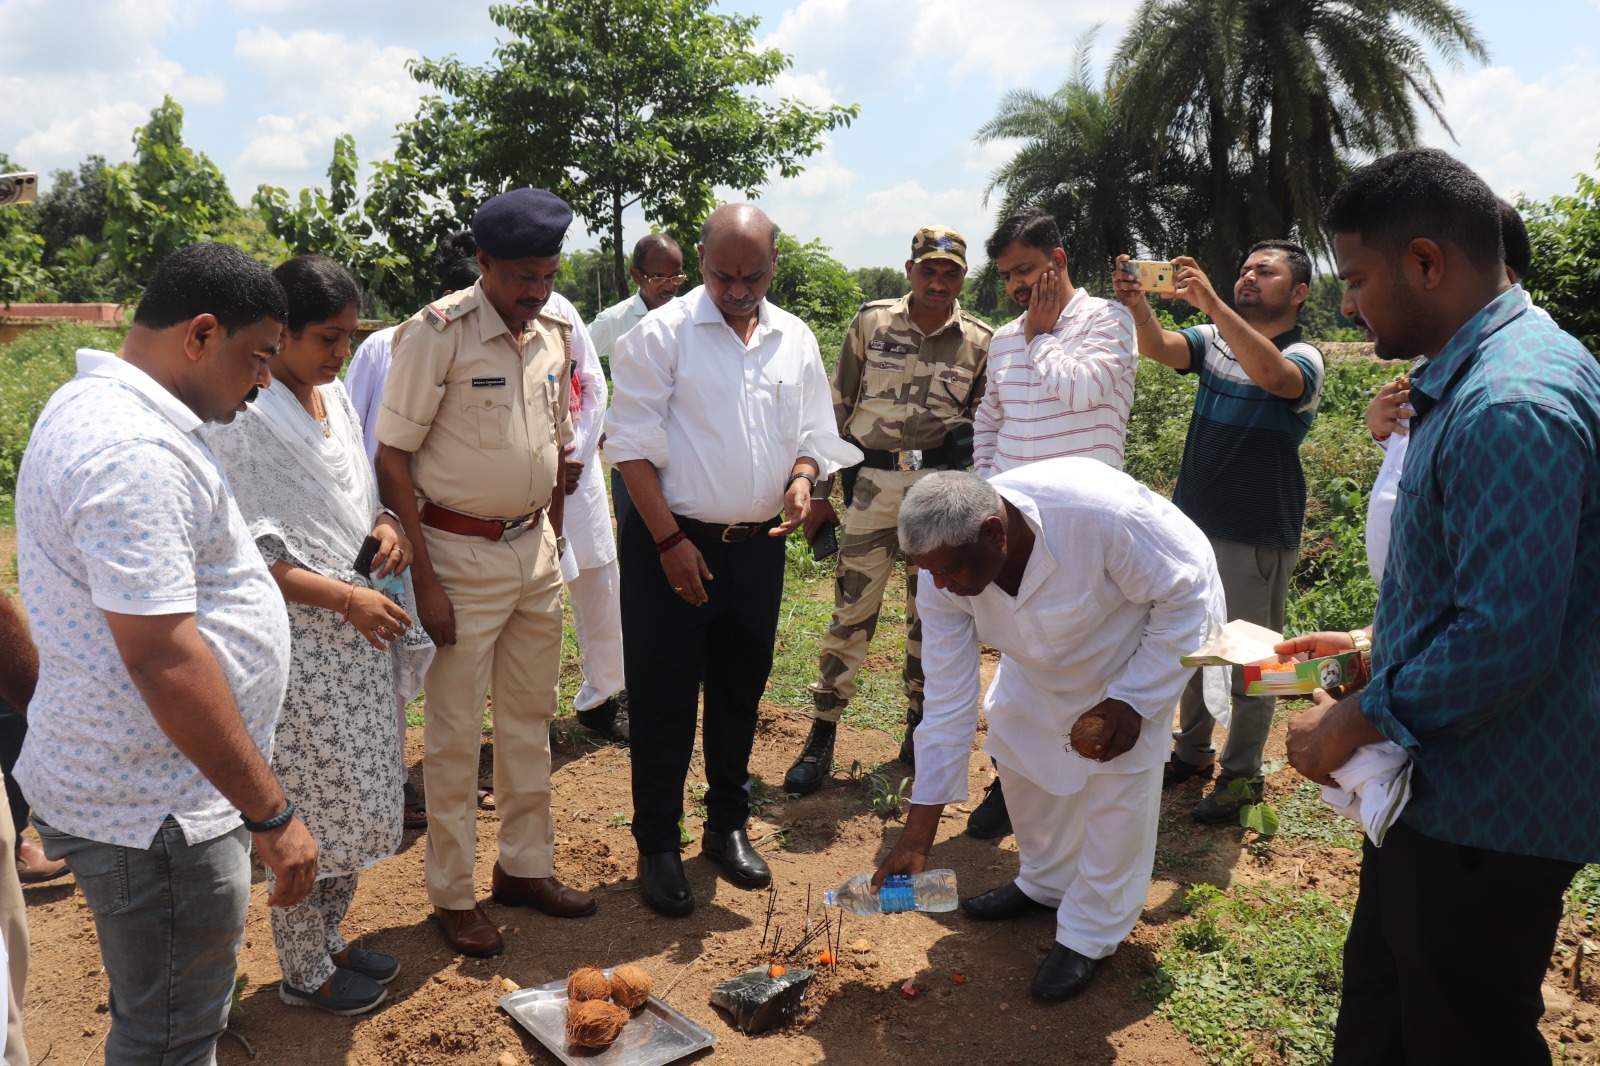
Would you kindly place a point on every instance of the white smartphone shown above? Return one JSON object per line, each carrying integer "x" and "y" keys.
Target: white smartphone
{"x": 18, "y": 188}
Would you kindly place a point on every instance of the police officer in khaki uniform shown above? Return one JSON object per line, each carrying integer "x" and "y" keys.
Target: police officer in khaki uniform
{"x": 910, "y": 377}
{"x": 474, "y": 414}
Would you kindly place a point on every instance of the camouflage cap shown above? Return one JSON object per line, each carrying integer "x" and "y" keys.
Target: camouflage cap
{"x": 939, "y": 242}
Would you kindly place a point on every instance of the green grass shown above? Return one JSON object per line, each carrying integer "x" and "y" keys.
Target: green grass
{"x": 32, "y": 367}
{"x": 1303, "y": 816}
{"x": 1253, "y": 975}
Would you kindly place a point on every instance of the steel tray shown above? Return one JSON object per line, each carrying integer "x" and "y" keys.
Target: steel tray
{"x": 655, "y": 1036}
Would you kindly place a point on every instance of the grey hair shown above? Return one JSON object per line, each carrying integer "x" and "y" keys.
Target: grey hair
{"x": 946, "y": 509}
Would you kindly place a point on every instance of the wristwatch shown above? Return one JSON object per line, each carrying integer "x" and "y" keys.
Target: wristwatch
{"x": 1363, "y": 642}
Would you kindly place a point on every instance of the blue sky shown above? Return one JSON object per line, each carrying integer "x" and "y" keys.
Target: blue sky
{"x": 268, "y": 84}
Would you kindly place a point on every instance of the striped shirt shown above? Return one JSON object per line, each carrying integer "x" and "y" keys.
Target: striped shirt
{"x": 1067, "y": 393}
{"x": 1240, "y": 479}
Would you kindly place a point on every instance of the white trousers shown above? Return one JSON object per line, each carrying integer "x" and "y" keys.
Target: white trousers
{"x": 1089, "y": 855}
{"x": 597, "y": 623}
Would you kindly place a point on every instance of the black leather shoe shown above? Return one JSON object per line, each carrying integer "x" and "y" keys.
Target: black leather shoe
{"x": 609, "y": 721}
{"x": 1177, "y": 771}
{"x": 990, "y": 820}
{"x": 1063, "y": 974}
{"x": 815, "y": 762}
{"x": 663, "y": 885}
{"x": 908, "y": 747}
{"x": 738, "y": 857}
{"x": 999, "y": 904}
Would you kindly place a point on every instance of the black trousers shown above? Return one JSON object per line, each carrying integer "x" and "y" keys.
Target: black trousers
{"x": 13, "y": 731}
{"x": 670, "y": 650}
{"x": 1446, "y": 954}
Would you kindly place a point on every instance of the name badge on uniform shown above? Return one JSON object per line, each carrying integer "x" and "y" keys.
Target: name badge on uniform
{"x": 488, "y": 383}
{"x": 885, "y": 346}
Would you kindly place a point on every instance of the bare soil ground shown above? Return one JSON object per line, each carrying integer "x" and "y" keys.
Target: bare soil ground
{"x": 442, "y": 1008}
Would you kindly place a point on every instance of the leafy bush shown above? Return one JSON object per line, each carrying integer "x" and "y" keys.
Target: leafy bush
{"x": 33, "y": 367}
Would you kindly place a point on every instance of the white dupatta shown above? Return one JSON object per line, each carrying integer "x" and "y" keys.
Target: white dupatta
{"x": 317, "y": 494}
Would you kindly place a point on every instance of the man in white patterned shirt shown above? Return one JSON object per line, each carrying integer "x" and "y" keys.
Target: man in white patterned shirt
{"x": 1060, "y": 373}
{"x": 163, "y": 654}
{"x": 1091, "y": 586}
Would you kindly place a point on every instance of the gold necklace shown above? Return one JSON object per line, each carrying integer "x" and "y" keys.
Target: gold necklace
{"x": 320, "y": 413}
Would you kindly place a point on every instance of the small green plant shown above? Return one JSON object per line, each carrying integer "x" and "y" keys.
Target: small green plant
{"x": 886, "y": 796}
{"x": 619, "y": 820}
{"x": 1252, "y": 815}
{"x": 684, "y": 839}
{"x": 1204, "y": 904}
{"x": 697, "y": 798}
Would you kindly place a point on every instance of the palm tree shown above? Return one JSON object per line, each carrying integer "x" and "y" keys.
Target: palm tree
{"x": 1274, "y": 99}
{"x": 1078, "y": 163}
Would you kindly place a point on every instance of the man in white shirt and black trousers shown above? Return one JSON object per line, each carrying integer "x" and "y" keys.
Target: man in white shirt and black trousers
{"x": 721, "y": 417}
{"x": 1092, "y": 587}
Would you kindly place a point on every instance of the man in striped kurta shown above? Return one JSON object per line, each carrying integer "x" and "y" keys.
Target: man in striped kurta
{"x": 1060, "y": 383}
{"x": 1061, "y": 373}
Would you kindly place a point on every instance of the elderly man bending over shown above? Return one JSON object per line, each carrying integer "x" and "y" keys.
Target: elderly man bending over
{"x": 1092, "y": 587}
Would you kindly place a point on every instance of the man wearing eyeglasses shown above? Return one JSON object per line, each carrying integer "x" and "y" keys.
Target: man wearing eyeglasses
{"x": 657, "y": 271}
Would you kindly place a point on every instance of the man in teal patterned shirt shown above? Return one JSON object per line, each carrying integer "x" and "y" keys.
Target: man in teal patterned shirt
{"x": 1486, "y": 647}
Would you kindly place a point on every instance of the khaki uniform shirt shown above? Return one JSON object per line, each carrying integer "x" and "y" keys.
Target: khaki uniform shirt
{"x": 897, "y": 390}
{"x": 481, "y": 410}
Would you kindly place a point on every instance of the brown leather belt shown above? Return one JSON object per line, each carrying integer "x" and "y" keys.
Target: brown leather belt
{"x": 466, "y": 525}
{"x": 728, "y": 534}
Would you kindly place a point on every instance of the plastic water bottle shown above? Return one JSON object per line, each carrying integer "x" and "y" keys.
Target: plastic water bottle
{"x": 931, "y": 890}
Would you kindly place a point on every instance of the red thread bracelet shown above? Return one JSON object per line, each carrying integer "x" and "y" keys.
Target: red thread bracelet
{"x": 664, "y": 546}
{"x": 348, "y": 596}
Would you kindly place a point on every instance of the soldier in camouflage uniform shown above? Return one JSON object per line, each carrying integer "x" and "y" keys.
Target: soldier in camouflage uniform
{"x": 909, "y": 379}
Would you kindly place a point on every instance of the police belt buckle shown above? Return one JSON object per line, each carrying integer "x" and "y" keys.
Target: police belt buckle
{"x": 513, "y": 530}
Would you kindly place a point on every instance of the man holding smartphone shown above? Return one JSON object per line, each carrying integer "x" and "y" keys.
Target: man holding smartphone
{"x": 909, "y": 378}
{"x": 1240, "y": 480}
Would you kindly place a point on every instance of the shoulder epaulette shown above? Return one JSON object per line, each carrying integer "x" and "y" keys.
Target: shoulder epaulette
{"x": 447, "y": 309}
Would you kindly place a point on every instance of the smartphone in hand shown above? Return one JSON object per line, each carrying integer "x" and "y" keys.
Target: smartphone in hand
{"x": 826, "y": 543}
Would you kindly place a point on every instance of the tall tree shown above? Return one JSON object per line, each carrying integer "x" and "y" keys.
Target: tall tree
{"x": 612, "y": 103}
{"x": 1273, "y": 99}
{"x": 1080, "y": 163}
{"x": 74, "y": 207}
{"x": 1565, "y": 276}
{"x": 169, "y": 196}
{"x": 22, "y": 277}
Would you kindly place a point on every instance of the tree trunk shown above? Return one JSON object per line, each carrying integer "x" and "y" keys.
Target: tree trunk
{"x": 616, "y": 244}
{"x": 1280, "y": 195}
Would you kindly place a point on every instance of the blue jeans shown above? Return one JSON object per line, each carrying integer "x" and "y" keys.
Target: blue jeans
{"x": 170, "y": 921}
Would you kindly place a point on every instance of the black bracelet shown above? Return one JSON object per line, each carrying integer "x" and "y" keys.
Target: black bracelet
{"x": 281, "y": 818}
{"x": 800, "y": 473}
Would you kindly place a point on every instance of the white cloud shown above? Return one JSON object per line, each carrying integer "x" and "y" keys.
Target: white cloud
{"x": 79, "y": 79}
{"x": 319, "y": 84}
{"x": 1005, "y": 43}
{"x": 1523, "y": 136}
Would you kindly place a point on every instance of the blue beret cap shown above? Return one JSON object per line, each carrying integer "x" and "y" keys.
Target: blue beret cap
{"x": 522, "y": 223}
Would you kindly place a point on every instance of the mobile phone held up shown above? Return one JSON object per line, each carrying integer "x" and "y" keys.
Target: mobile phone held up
{"x": 18, "y": 188}
{"x": 1153, "y": 276}
{"x": 826, "y": 543}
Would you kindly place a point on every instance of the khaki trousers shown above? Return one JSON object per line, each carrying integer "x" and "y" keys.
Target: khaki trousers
{"x": 507, "y": 599}
{"x": 868, "y": 548}
{"x": 14, "y": 928}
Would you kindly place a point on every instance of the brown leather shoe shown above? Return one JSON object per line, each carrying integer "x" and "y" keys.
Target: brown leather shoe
{"x": 545, "y": 893}
{"x": 32, "y": 866}
{"x": 470, "y": 932}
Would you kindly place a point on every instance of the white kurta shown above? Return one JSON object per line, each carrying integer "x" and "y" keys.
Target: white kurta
{"x": 587, "y": 523}
{"x": 1120, "y": 584}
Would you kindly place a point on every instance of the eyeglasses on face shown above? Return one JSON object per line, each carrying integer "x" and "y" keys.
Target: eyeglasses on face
{"x": 667, "y": 279}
